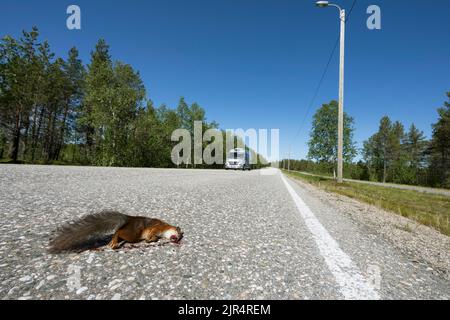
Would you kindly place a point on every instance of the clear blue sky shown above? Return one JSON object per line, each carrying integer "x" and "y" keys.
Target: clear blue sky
{"x": 256, "y": 63}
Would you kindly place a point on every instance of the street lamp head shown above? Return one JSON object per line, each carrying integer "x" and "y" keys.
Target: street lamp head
{"x": 322, "y": 4}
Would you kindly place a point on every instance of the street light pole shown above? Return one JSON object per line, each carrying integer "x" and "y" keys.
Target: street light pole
{"x": 341, "y": 102}
{"x": 340, "y": 152}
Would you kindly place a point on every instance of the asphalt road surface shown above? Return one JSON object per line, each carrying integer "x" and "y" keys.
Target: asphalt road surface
{"x": 247, "y": 235}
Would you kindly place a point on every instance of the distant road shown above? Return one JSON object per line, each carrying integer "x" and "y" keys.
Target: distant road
{"x": 247, "y": 235}
{"x": 443, "y": 192}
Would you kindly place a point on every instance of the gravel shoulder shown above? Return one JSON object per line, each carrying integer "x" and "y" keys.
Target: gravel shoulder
{"x": 420, "y": 243}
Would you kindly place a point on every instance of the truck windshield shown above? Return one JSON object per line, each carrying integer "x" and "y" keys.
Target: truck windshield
{"x": 236, "y": 155}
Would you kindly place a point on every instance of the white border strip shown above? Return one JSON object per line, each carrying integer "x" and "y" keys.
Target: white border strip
{"x": 353, "y": 286}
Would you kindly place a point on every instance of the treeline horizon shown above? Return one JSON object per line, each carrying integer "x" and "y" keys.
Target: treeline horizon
{"x": 56, "y": 111}
{"x": 392, "y": 154}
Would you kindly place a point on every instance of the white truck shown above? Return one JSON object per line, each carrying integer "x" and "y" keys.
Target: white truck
{"x": 238, "y": 159}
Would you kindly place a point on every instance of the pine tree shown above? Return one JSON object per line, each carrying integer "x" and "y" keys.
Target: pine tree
{"x": 440, "y": 146}
{"x": 57, "y": 110}
{"x": 75, "y": 73}
{"x": 393, "y": 155}
{"x": 415, "y": 147}
{"x": 96, "y": 102}
{"x": 19, "y": 86}
{"x": 43, "y": 101}
{"x": 383, "y": 151}
{"x": 170, "y": 121}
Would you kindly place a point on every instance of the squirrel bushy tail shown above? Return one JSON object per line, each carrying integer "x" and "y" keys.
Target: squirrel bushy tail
{"x": 80, "y": 231}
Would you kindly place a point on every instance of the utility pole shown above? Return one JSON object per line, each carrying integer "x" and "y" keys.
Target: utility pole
{"x": 340, "y": 152}
{"x": 341, "y": 102}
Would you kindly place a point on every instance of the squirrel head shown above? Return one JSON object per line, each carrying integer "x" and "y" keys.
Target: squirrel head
{"x": 174, "y": 234}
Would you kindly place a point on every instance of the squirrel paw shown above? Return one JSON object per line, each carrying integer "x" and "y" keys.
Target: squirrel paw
{"x": 115, "y": 245}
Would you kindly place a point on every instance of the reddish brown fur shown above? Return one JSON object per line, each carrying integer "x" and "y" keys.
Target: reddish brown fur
{"x": 76, "y": 234}
{"x": 138, "y": 229}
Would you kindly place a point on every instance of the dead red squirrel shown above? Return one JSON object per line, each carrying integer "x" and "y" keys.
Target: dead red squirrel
{"x": 125, "y": 229}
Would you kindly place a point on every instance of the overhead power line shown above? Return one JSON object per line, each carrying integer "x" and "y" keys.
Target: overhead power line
{"x": 319, "y": 85}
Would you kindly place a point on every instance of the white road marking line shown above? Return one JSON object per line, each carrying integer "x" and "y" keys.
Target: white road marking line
{"x": 353, "y": 285}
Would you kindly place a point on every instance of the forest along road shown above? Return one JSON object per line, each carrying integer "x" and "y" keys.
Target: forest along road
{"x": 247, "y": 235}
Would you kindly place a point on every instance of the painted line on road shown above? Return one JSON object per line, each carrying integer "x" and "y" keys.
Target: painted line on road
{"x": 353, "y": 285}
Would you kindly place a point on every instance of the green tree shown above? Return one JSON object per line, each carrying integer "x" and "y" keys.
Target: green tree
{"x": 57, "y": 110}
{"x": 148, "y": 141}
{"x": 129, "y": 95}
{"x": 393, "y": 155}
{"x": 10, "y": 109}
{"x": 97, "y": 99}
{"x": 170, "y": 121}
{"x": 440, "y": 146}
{"x": 323, "y": 137}
{"x": 399, "y": 168}
{"x": 415, "y": 146}
{"x": 2, "y": 143}
{"x": 383, "y": 141}
{"x": 35, "y": 97}
{"x": 188, "y": 115}
{"x": 379, "y": 149}
{"x": 19, "y": 86}
{"x": 114, "y": 94}
{"x": 42, "y": 102}
{"x": 70, "y": 131}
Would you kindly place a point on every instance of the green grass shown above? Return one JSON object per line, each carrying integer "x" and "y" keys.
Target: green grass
{"x": 429, "y": 209}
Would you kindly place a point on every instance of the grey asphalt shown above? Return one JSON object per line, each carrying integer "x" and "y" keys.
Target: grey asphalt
{"x": 244, "y": 239}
